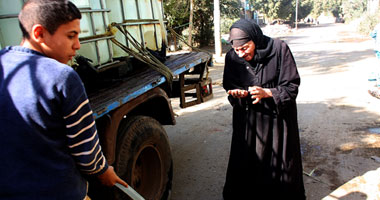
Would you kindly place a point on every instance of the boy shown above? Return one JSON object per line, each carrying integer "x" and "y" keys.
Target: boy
{"x": 48, "y": 135}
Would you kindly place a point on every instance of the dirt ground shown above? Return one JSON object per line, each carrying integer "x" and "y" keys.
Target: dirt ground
{"x": 337, "y": 119}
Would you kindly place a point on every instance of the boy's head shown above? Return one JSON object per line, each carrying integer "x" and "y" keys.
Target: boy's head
{"x": 51, "y": 27}
{"x": 49, "y": 13}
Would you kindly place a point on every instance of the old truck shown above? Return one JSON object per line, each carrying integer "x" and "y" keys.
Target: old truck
{"x": 129, "y": 80}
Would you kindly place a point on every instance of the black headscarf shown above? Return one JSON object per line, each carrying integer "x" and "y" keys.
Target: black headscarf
{"x": 263, "y": 43}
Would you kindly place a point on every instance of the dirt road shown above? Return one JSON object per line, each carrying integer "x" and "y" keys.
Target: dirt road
{"x": 336, "y": 117}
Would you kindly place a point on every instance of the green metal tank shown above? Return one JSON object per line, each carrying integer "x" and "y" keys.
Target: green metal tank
{"x": 10, "y": 33}
{"x": 142, "y": 18}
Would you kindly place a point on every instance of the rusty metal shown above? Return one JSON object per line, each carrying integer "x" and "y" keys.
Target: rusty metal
{"x": 108, "y": 130}
{"x": 8, "y": 16}
{"x": 95, "y": 38}
{"x": 94, "y": 10}
{"x": 147, "y": 169}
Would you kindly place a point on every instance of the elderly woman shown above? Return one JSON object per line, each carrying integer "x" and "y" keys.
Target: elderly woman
{"x": 262, "y": 80}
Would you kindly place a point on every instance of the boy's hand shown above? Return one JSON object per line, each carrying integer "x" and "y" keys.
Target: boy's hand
{"x": 110, "y": 178}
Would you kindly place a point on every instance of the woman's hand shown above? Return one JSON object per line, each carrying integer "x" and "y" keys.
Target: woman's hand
{"x": 238, "y": 93}
{"x": 258, "y": 93}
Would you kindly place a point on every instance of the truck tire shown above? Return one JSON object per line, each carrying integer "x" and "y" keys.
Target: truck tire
{"x": 144, "y": 158}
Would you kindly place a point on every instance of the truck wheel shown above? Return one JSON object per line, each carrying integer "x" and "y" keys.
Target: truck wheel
{"x": 144, "y": 158}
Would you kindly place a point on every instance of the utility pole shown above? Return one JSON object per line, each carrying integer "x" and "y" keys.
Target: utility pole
{"x": 217, "y": 38}
{"x": 296, "y": 14}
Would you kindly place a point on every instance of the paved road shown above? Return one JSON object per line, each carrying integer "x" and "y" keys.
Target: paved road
{"x": 335, "y": 114}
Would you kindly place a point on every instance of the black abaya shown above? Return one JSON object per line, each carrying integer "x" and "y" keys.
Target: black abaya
{"x": 265, "y": 159}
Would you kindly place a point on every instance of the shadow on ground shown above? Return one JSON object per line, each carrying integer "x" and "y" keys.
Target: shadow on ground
{"x": 201, "y": 142}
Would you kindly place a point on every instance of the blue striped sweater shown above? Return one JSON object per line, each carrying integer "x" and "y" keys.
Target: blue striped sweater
{"x": 48, "y": 137}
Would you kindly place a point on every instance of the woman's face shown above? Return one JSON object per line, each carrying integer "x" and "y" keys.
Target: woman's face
{"x": 246, "y": 51}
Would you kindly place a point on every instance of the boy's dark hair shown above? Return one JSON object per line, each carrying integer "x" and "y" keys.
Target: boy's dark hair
{"x": 49, "y": 13}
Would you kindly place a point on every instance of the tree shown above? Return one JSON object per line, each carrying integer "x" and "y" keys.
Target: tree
{"x": 305, "y": 8}
{"x": 283, "y": 9}
{"x": 268, "y": 7}
{"x": 353, "y": 8}
{"x": 177, "y": 14}
{"x": 334, "y": 6}
{"x": 230, "y": 8}
{"x": 286, "y": 10}
{"x": 317, "y": 8}
{"x": 329, "y": 6}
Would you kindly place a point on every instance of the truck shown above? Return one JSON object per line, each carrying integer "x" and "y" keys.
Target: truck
{"x": 129, "y": 79}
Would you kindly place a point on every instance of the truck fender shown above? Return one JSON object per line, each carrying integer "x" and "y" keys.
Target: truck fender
{"x": 154, "y": 103}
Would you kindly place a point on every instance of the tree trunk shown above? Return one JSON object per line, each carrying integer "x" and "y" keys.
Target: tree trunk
{"x": 242, "y": 10}
{"x": 191, "y": 23}
{"x": 218, "y": 43}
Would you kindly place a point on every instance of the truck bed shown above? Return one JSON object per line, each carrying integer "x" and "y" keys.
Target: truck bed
{"x": 110, "y": 98}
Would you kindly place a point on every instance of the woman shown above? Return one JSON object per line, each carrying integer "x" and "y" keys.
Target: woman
{"x": 262, "y": 80}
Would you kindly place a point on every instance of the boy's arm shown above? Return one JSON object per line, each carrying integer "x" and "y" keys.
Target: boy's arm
{"x": 82, "y": 136}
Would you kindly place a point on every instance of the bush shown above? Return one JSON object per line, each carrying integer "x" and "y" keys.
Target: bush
{"x": 225, "y": 24}
{"x": 353, "y": 9}
{"x": 368, "y": 22}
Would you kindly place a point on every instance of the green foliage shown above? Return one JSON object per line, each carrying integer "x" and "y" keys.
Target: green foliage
{"x": 178, "y": 12}
{"x": 226, "y": 23}
{"x": 230, "y": 11}
{"x": 229, "y": 8}
{"x": 305, "y": 8}
{"x": 353, "y": 9}
{"x": 269, "y": 7}
{"x": 284, "y": 9}
{"x": 333, "y": 6}
{"x": 317, "y": 8}
{"x": 368, "y": 23}
{"x": 347, "y": 9}
{"x": 203, "y": 22}
{"x": 329, "y": 6}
